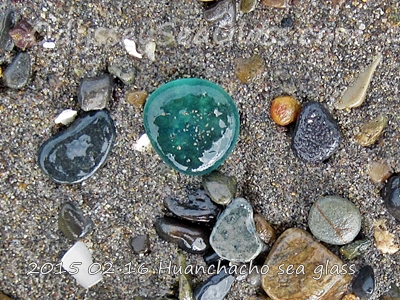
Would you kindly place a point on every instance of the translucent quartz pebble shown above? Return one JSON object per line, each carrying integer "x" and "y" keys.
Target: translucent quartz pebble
{"x": 193, "y": 124}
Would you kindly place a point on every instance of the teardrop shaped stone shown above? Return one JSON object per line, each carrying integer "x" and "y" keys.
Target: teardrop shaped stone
{"x": 215, "y": 288}
{"x": 189, "y": 237}
{"x": 198, "y": 207}
{"x": 234, "y": 236}
{"x": 364, "y": 283}
{"x": 317, "y": 135}
{"x": 391, "y": 196}
{"x": 72, "y": 222}
{"x": 76, "y": 153}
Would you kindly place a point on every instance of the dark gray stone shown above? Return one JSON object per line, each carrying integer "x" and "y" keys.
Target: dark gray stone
{"x": 6, "y": 42}
{"x": 317, "y": 135}
{"x": 17, "y": 74}
{"x": 364, "y": 283}
{"x": 76, "y": 153}
{"x": 189, "y": 237}
{"x": 95, "y": 92}
{"x": 73, "y": 224}
{"x": 223, "y": 14}
{"x": 198, "y": 207}
{"x": 391, "y": 196}
{"x": 234, "y": 236}
{"x": 334, "y": 220}
{"x": 140, "y": 243}
{"x": 220, "y": 188}
{"x": 215, "y": 288}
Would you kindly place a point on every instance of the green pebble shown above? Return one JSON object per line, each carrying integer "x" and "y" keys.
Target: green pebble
{"x": 219, "y": 187}
{"x": 355, "y": 249}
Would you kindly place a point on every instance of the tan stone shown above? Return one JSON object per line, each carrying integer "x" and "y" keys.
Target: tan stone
{"x": 248, "y": 68}
{"x": 350, "y": 297}
{"x": 302, "y": 268}
{"x": 275, "y": 3}
{"x": 136, "y": 98}
{"x": 264, "y": 229}
{"x": 384, "y": 240}
{"x": 379, "y": 171}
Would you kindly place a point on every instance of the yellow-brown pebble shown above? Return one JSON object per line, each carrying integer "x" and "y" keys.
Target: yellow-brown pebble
{"x": 284, "y": 110}
{"x": 350, "y": 297}
{"x": 264, "y": 230}
{"x": 379, "y": 171}
{"x": 136, "y": 98}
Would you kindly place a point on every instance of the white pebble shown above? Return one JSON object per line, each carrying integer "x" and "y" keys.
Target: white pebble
{"x": 150, "y": 50}
{"x": 66, "y": 117}
{"x": 130, "y": 47}
{"x": 49, "y": 45}
{"x": 143, "y": 144}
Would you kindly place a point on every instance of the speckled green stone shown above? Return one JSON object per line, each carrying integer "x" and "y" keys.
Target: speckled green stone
{"x": 193, "y": 124}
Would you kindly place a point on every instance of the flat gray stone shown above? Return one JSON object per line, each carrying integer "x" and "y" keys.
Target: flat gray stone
{"x": 334, "y": 220}
{"x": 234, "y": 236}
{"x": 17, "y": 74}
{"x": 95, "y": 92}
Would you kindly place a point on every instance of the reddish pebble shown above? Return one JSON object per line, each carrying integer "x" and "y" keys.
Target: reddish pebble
{"x": 23, "y": 35}
{"x": 284, "y": 110}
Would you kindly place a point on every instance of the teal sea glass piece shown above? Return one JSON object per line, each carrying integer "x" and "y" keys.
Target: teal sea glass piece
{"x": 193, "y": 124}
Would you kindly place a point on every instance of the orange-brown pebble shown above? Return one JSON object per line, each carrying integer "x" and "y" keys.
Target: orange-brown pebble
{"x": 349, "y": 297}
{"x": 284, "y": 110}
{"x": 136, "y": 98}
{"x": 264, "y": 230}
{"x": 379, "y": 172}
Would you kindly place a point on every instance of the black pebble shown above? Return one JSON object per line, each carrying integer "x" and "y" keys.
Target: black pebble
{"x": 391, "y": 195}
{"x": 364, "y": 283}
{"x": 287, "y": 21}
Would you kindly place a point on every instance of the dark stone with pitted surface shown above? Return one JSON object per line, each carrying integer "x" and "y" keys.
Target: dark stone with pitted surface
{"x": 215, "y": 288}
{"x": 198, "y": 207}
{"x": 73, "y": 224}
{"x": 189, "y": 237}
{"x": 364, "y": 283}
{"x": 391, "y": 195}
{"x": 17, "y": 74}
{"x": 317, "y": 135}
{"x": 76, "y": 153}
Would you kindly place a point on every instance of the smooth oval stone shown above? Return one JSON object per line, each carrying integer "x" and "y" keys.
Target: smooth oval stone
{"x": 334, "y": 220}
{"x": 391, "y": 196}
{"x": 140, "y": 243}
{"x": 220, "y": 188}
{"x": 370, "y": 131}
{"x": 17, "y": 74}
{"x": 95, "y": 92}
{"x": 76, "y": 153}
{"x": 234, "y": 236}
{"x": 355, "y": 249}
{"x": 317, "y": 135}
{"x": 301, "y": 268}
{"x": 264, "y": 230}
{"x": 364, "y": 283}
{"x": 189, "y": 237}
{"x": 198, "y": 207}
{"x": 72, "y": 222}
{"x": 215, "y": 288}
{"x": 193, "y": 124}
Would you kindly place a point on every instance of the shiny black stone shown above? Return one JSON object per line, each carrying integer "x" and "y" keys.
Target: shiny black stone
{"x": 364, "y": 283}
{"x": 72, "y": 222}
{"x": 317, "y": 135}
{"x": 391, "y": 196}
{"x": 198, "y": 207}
{"x": 215, "y": 288}
{"x": 211, "y": 258}
{"x": 76, "y": 153}
{"x": 189, "y": 237}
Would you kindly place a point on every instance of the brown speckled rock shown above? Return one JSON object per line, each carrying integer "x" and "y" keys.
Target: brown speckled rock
{"x": 298, "y": 248}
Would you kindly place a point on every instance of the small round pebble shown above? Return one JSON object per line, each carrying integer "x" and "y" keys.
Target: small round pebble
{"x": 220, "y": 187}
{"x": 284, "y": 110}
{"x": 140, "y": 243}
{"x": 334, "y": 220}
{"x": 72, "y": 222}
{"x": 264, "y": 229}
{"x": 379, "y": 171}
{"x": 287, "y": 21}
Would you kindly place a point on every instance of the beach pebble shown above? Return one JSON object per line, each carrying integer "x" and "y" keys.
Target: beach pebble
{"x": 364, "y": 283}
{"x": 379, "y": 171}
{"x": 130, "y": 47}
{"x": 287, "y": 22}
{"x": 95, "y": 92}
{"x": 248, "y": 68}
{"x": 197, "y": 207}
{"x": 136, "y": 98}
{"x": 391, "y": 196}
{"x": 140, "y": 243}
{"x": 234, "y": 236}
{"x": 124, "y": 71}
{"x": 371, "y": 130}
{"x": 254, "y": 277}
{"x": 212, "y": 258}
{"x": 17, "y": 74}
{"x": 72, "y": 222}
{"x": 264, "y": 230}
{"x": 317, "y": 135}
{"x": 75, "y": 154}
{"x": 185, "y": 279}
{"x": 215, "y": 288}
{"x": 284, "y": 110}
{"x": 66, "y": 117}
{"x": 320, "y": 274}
{"x": 223, "y": 13}
{"x": 355, "y": 249}
{"x": 149, "y": 50}
{"x": 384, "y": 240}
{"x": 334, "y": 220}
{"x": 356, "y": 93}
{"x": 23, "y": 35}
{"x": 6, "y": 42}
{"x": 219, "y": 187}
{"x": 189, "y": 237}
{"x": 143, "y": 144}
{"x": 275, "y": 3}
{"x": 247, "y": 6}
